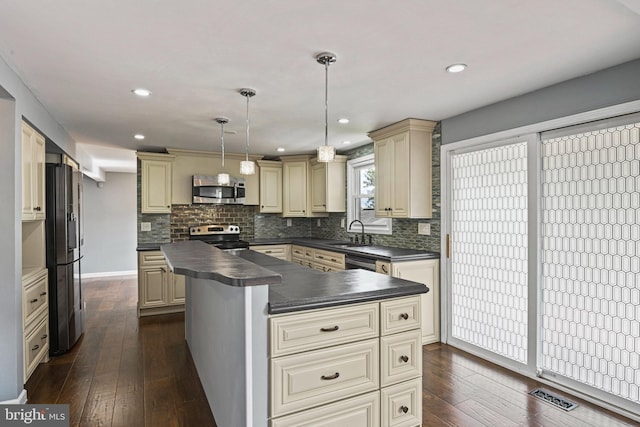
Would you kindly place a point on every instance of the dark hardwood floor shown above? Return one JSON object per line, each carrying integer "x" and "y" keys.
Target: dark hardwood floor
{"x": 138, "y": 372}
{"x": 125, "y": 371}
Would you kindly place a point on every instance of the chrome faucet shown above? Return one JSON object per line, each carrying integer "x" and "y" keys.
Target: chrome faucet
{"x": 361, "y": 225}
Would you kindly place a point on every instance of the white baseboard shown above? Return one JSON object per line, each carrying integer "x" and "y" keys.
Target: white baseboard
{"x": 109, "y": 274}
{"x": 20, "y": 400}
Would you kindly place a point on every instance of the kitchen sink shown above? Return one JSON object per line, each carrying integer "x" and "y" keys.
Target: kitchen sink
{"x": 348, "y": 245}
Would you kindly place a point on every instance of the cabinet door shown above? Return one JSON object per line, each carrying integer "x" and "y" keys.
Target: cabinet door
{"x": 176, "y": 288}
{"x": 295, "y": 189}
{"x": 426, "y": 272}
{"x": 319, "y": 187}
{"x": 383, "y": 153}
{"x": 270, "y": 189}
{"x": 156, "y": 186}
{"x": 399, "y": 185}
{"x": 33, "y": 174}
{"x": 153, "y": 284}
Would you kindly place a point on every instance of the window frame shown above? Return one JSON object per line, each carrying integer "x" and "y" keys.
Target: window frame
{"x": 353, "y": 166}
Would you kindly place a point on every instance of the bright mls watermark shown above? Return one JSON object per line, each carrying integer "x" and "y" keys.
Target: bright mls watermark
{"x": 34, "y": 415}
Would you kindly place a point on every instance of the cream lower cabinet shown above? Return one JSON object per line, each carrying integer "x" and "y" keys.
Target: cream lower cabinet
{"x": 427, "y": 272}
{"x": 356, "y": 365}
{"x": 35, "y": 320}
{"x": 159, "y": 290}
{"x": 318, "y": 259}
{"x": 277, "y": 251}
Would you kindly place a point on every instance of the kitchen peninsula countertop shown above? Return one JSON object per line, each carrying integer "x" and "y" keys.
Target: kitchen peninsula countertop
{"x": 291, "y": 286}
{"x": 382, "y": 253}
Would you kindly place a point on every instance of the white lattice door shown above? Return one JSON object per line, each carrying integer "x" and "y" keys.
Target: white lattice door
{"x": 488, "y": 282}
{"x": 542, "y": 272}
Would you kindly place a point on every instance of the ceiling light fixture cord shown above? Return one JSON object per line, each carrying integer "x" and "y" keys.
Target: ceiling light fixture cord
{"x": 326, "y": 153}
{"x": 247, "y": 167}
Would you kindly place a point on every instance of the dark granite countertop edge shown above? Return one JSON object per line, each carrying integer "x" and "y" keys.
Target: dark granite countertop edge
{"x": 292, "y": 306}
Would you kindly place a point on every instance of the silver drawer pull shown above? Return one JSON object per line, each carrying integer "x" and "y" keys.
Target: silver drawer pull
{"x": 335, "y": 328}
{"x": 331, "y": 377}
{"x": 404, "y": 409}
{"x": 404, "y": 316}
{"x": 35, "y": 347}
{"x": 405, "y": 359}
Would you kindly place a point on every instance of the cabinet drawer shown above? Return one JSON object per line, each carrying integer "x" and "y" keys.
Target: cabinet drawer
{"x": 361, "y": 411}
{"x": 332, "y": 259}
{"x": 277, "y": 251}
{"x": 297, "y": 251}
{"x": 35, "y": 299}
{"x": 323, "y": 376}
{"x": 400, "y": 315}
{"x": 36, "y": 344}
{"x": 322, "y": 328}
{"x": 400, "y": 357}
{"x": 151, "y": 258}
{"x": 298, "y": 260}
{"x": 402, "y": 404}
{"x": 308, "y": 253}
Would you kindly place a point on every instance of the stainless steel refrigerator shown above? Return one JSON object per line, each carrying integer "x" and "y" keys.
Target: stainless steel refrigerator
{"x": 66, "y": 314}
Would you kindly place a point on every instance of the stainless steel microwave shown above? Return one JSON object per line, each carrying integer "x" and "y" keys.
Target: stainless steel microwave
{"x": 209, "y": 190}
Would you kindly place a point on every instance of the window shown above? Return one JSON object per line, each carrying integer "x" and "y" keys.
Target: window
{"x": 361, "y": 185}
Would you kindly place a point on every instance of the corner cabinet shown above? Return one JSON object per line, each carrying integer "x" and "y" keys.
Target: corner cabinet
{"x": 155, "y": 169}
{"x": 428, "y": 273}
{"x": 33, "y": 179}
{"x": 402, "y": 154}
{"x": 159, "y": 290}
{"x": 270, "y": 186}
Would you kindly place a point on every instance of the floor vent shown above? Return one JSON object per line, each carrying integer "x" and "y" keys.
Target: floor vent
{"x": 554, "y": 399}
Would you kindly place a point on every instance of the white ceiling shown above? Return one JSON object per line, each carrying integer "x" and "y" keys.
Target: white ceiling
{"x": 82, "y": 58}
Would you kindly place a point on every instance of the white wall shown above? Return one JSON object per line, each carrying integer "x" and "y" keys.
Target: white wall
{"x": 109, "y": 218}
{"x": 16, "y": 102}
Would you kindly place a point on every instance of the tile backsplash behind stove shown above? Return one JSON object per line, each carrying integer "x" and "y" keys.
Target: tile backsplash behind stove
{"x": 185, "y": 216}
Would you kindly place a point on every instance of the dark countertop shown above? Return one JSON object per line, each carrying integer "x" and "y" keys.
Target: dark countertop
{"x": 303, "y": 288}
{"x": 142, "y": 247}
{"x": 203, "y": 261}
{"x": 291, "y": 287}
{"x": 382, "y": 253}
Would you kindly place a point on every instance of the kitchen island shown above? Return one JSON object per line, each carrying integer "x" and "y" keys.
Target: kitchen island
{"x": 260, "y": 330}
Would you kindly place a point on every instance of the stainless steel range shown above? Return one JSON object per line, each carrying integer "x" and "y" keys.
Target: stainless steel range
{"x": 221, "y": 236}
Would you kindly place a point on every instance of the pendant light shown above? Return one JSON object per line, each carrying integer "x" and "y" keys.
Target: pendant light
{"x": 247, "y": 167}
{"x": 223, "y": 178}
{"x": 326, "y": 153}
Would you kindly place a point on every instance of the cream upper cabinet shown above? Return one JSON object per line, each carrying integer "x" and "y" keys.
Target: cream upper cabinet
{"x": 156, "y": 182}
{"x": 33, "y": 174}
{"x": 428, "y": 273}
{"x": 403, "y": 169}
{"x": 328, "y": 185}
{"x": 270, "y": 186}
{"x": 294, "y": 186}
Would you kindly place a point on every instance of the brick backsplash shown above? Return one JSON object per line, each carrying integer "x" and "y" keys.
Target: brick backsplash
{"x": 185, "y": 216}
{"x": 175, "y": 227}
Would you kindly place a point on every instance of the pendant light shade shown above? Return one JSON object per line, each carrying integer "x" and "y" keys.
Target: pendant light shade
{"x": 223, "y": 177}
{"x": 247, "y": 167}
{"x": 326, "y": 153}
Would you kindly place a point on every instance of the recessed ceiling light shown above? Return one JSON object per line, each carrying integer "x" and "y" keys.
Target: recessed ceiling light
{"x": 456, "y": 68}
{"x": 138, "y": 136}
{"x": 280, "y": 149}
{"x": 343, "y": 121}
{"x": 346, "y": 142}
{"x": 141, "y": 92}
